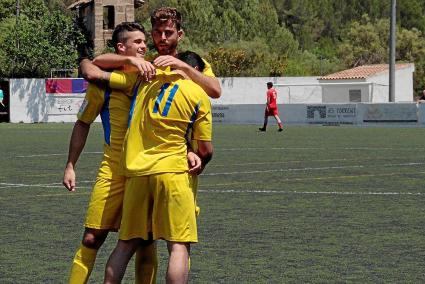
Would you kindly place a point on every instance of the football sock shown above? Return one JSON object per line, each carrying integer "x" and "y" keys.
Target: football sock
{"x": 146, "y": 265}
{"x": 280, "y": 125}
{"x": 82, "y": 265}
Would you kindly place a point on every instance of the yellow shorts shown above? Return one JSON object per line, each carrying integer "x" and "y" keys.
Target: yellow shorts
{"x": 105, "y": 206}
{"x": 193, "y": 181}
{"x": 161, "y": 206}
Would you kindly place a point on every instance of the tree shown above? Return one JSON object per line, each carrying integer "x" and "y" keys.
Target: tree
{"x": 411, "y": 48}
{"x": 44, "y": 39}
{"x": 365, "y": 42}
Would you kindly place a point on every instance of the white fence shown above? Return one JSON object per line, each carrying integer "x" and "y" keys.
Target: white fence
{"x": 29, "y": 103}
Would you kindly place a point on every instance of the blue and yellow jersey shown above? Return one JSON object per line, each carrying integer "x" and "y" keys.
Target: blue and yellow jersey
{"x": 112, "y": 106}
{"x": 163, "y": 114}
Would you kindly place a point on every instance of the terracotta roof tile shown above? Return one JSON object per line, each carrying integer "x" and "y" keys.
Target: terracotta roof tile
{"x": 362, "y": 72}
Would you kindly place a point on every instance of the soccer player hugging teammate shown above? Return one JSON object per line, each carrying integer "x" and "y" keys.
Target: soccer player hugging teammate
{"x": 166, "y": 33}
{"x": 104, "y": 209}
{"x": 159, "y": 202}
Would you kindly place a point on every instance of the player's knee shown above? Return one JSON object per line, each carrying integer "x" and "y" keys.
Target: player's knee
{"x": 94, "y": 239}
{"x": 178, "y": 247}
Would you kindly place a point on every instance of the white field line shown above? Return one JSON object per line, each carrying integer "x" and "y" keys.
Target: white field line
{"x": 258, "y": 149}
{"x": 266, "y": 192}
{"x": 53, "y": 154}
{"x": 312, "y": 169}
{"x": 320, "y": 148}
{"x": 45, "y": 185}
{"x": 308, "y": 178}
{"x": 9, "y": 185}
{"x": 56, "y": 185}
{"x": 311, "y": 192}
{"x": 292, "y": 161}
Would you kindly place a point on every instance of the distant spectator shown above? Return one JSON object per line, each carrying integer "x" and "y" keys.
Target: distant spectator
{"x": 271, "y": 107}
{"x": 1, "y": 98}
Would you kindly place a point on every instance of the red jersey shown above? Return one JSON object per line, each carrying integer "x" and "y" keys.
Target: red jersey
{"x": 272, "y": 97}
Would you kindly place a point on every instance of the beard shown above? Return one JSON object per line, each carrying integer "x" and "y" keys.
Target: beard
{"x": 166, "y": 49}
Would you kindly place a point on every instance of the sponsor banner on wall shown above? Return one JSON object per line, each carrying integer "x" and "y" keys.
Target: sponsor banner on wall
{"x": 66, "y": 86}
{"x": 65, "y": 96}
{"x": 339, "y": 114}
{"x": 66, "y": 106}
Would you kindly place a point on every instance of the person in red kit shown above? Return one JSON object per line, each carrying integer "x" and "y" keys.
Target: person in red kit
{"x": 271, "y": 107}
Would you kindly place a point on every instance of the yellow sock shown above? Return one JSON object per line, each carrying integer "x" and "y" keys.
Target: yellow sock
{"x": 82, "y": 265}
{"x": 146, "y": 265}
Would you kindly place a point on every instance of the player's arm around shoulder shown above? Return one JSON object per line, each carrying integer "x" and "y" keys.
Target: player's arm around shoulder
{"x": 93, "y": 73}
{"x": 207, "y": 80}
{"x": 116, "y": 80}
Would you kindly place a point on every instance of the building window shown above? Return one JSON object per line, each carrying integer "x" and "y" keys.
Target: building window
{"x": 355, "y": 96}
{"x": 108, "y": 17}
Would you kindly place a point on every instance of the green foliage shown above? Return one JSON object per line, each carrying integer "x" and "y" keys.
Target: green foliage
{"x": 365, "y": 43}
{"x": 233, "y": 61}
{"x": 7, "y": 8}
{"x": 41, "y": 40}
{"x": 411, "y": 48}
{"x": 269, "y": 37}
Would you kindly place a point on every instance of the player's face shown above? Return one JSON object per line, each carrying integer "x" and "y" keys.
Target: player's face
{"x": 135, "y": 45}
{"x": 166, "y": 37}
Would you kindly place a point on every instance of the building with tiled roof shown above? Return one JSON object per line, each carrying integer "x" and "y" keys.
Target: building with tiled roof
{"x": 368, "y": 83}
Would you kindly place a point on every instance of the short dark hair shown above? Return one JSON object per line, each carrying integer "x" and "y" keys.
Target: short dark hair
{"x": 164, "y": 14}
{"x": 193, "y": 59}
{"x": 269, "y": 84}
{"x": 120, "y": 32}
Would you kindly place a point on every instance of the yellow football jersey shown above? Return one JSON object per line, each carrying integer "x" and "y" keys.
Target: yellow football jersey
{"x": 207, "y": 69}
{"x": 112, "y": 106}
{"x": 165, "y": 111}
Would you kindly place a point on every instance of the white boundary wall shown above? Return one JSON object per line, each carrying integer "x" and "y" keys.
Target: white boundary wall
{"x": 358, "y": 113}
{"x": 29, "y": 103}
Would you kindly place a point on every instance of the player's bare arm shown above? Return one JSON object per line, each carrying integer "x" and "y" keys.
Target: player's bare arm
{"x": 128, "y": 63}
{"x": 210, "y": 85}
{"x": 76, "y": 146}
{"x": 205, "y": 152}
{"x": 93, "y": 73}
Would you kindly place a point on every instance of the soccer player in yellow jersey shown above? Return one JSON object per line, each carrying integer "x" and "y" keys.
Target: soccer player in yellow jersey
{"x": 166, "y": 34}
{"x": 158, "y": 201}
{"x": 104, "y": 209}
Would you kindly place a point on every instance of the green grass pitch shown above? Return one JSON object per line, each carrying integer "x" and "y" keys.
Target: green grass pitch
{"x": 308, "y": 205}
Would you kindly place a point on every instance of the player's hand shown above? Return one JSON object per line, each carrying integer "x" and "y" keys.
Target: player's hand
{"x": 182, "y": 74}
{"x": 168, "y": 60}
{"x": 194, "y": 163}
{"x": 146, "y": 69}
{"x": 69, "y": 178}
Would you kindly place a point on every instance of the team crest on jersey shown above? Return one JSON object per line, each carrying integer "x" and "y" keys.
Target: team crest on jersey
{"x": 83, "y": 106}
